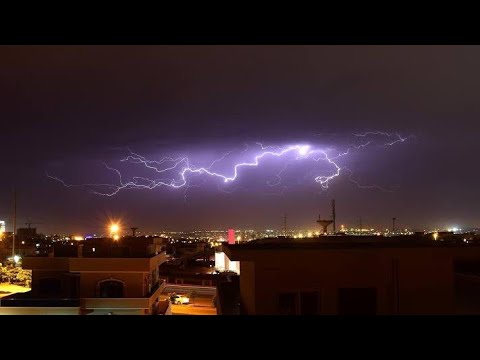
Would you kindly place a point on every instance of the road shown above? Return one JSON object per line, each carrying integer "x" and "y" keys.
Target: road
{"x": 201, "y": 304}
{"x": 193, "y": 310}
{"x": 8, "y": 289}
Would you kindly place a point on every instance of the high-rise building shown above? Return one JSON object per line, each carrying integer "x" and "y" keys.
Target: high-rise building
{"x": 231, "y": 236}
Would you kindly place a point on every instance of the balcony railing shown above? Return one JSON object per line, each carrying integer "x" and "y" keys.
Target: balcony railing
{"x": 125, "y": 303}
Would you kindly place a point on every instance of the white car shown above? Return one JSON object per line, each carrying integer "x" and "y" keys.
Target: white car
{"x": 179, "y": 300}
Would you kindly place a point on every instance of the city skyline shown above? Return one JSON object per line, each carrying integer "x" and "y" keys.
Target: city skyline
{"x": 69, "y": 110}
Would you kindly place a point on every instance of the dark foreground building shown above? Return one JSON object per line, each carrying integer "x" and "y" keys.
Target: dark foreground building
{"x": 357, "y": 276}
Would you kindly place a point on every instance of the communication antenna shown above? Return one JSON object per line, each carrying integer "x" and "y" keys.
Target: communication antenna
{"x": 134, "y": 230}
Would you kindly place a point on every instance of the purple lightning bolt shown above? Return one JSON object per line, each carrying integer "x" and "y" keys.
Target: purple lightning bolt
{"x": 176, "y": 172}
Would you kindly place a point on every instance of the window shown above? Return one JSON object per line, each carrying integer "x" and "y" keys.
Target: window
{"x": 287, "y": 304}
{"x": 111, "y": 289}
{"x": 357, "y": 301}
{"x": 309, "y": 303}
{"x": 50, "y": 287}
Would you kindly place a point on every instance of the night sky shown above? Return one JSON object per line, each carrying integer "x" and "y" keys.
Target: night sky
{"x": 66, "y": 109}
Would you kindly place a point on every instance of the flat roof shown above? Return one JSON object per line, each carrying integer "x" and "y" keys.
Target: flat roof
{"x": 353, "y": 242}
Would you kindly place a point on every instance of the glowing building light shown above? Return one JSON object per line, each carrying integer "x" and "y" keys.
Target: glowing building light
{"x": 16, "y": 259}
{"x": 435, "y": 235}
{"x": 231, "y": 236}
{"x": 116, "y": 237}
{"x": 239, "y": 238}
{"x": 219, "y": 261}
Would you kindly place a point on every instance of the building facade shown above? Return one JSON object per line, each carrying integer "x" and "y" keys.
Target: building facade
{"x": 291, "y": 277}
{"x": 88, "y": 279}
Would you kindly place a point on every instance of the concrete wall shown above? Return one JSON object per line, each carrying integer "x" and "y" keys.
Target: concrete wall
{"x": 134, "y": 283}
{"x": 247, "y": 287}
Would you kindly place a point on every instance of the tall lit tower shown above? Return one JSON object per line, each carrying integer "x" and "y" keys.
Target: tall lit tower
{"x": 231, "y": 236}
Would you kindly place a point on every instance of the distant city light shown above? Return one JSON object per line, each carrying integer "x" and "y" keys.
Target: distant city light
{"x": 239, "y": 238}
{"x": 16, "y": 259}
{"x": 116, "y": 237}
{"x": 435, "y": 235}
{"x": 78, "y": 238}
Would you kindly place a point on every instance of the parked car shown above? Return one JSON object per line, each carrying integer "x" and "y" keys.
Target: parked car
{"x": 179, "y": 299}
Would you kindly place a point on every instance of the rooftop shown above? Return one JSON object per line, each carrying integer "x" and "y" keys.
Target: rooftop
{"x": 127, "y": 247}
{"x": 358, "y": 242}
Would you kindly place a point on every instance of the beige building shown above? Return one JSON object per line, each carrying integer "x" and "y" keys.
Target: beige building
{"x": 93, "y": 278}
{"x": 328, "y": 276}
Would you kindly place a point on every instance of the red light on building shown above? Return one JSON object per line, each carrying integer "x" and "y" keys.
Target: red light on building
{"x": 231, "y": 236}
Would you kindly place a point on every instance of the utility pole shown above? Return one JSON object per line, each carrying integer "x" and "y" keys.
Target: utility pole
{"x": 334, "y": 216}
{"x": 14, "y": 221}
{"x": 285, "y": 225}
{"x": 393, "y": 224}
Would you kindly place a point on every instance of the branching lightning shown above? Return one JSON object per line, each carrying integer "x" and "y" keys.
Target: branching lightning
{"x": 179, "y": 172}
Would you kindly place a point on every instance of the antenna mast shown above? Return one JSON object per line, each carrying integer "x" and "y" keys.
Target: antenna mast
{"x": 14, "y": 221}
{"x": 334, "y": 215}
